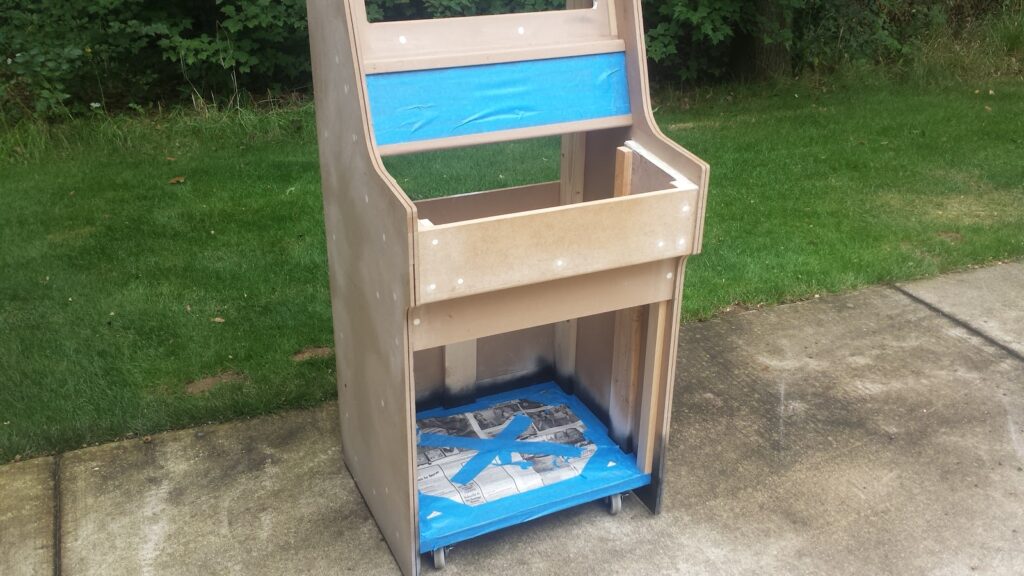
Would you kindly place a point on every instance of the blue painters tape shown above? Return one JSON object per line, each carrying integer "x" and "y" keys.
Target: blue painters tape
{"x": 445, "y": 102}
{"x": 500, "y": 447}
{"x": 609, "y": 471}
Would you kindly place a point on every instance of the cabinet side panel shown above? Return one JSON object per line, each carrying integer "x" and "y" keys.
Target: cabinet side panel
{"x": 368, "y": 226}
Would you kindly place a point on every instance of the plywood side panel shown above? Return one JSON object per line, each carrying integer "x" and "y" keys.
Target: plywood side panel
{"x": 491, "y": 254}
{"x": 599, "y": 170}
{"x": 594, "y": 344}
{"x": 625, "y": 374}
{"x": 653, "y": 389}
{"x": 647, "y": 177}
{"x": 651, "y": 495}
{"x": 515, "y": 354}
{"x": 369, "y": 244}
{"x": 428, "y": 372}
{"x": 492, "y": 313}
{"x": 491, "y": 203}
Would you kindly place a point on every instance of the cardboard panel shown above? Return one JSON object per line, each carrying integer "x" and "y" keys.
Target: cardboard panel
{"x": 490, "y": 254}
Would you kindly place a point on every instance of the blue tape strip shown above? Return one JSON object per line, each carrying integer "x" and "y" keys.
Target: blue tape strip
{"x": 500, "y": 447}
{"x": 444, "y": 522}
{"x": 445, "y": 102}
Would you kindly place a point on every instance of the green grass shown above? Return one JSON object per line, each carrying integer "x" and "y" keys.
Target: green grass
{"x": 110, "y": 277}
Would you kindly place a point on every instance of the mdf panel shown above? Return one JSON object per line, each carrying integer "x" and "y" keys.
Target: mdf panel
{"x": 490, "y": 203}
{"x": 461, "y": 319}
{"x": 489, "y": 254}
{"x": 369, "y": 244}
{"x": 462, "y": 41}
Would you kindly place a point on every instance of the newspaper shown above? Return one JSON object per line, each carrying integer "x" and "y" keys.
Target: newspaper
{"x": 549, "y": 423}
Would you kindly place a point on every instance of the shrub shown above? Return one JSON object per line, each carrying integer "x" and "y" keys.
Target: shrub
{"x": 61, "y": 57}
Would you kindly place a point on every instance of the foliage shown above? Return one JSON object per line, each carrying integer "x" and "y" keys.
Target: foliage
{"x": 62, "y": 57}
{"x": 697, "y": 39}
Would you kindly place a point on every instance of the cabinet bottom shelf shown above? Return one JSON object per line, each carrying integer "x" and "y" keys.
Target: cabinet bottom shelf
{"x": 509, "y": 458}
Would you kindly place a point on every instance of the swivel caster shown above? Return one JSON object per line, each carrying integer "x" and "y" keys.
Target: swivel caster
{"x": 614, "y": 504}
{"x": 438, "y": 556}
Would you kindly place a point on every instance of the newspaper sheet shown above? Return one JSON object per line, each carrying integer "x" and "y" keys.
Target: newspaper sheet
{"x": 549, "y": 423}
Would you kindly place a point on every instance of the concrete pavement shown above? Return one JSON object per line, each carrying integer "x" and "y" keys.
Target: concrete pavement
{"x": 876, "y": 432}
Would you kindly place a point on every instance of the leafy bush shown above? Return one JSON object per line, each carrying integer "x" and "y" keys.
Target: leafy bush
{"x": 61, "y": 57}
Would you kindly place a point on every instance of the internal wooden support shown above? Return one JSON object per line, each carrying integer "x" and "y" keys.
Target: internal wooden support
{"x": 623, "y": 172}
{"x": 448, "y": 321}
{"x": 573, "y": 161}
{"x": 653, "y": 385}
{"x": 460, "y": 368}
{"x": 627, "y": 350}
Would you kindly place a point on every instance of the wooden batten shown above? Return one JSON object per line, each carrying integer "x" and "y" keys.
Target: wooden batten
{"x": 460, "y": 368}
{"x": 572, "y": 164}
{"x": 459, "y": 319}
{"x": 506, "y": 135}
{"x": 653, "y": 386}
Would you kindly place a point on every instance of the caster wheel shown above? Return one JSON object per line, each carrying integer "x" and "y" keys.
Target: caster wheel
{"x": 438, "y": 557}
{"x": 614, "y": 504}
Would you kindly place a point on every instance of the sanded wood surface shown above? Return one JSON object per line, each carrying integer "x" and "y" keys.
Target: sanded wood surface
{"x": 460, "y": 368}
{"x": 463, "y": 38}
{"x": 478, "y": 256}
{"x": 653, "y": 385}
{"x": 481, "y": 315}
{"x": 493, "y": 56}
{"x": 369, "y": 223}
{"x": 624, "y": 172}
{"x": 627, "y": 347}
{"x": 572, "y": 164}
{"x": 506, "y": 135}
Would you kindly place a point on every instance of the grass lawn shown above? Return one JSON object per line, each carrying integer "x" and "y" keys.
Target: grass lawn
{"x": 120, "y": 291}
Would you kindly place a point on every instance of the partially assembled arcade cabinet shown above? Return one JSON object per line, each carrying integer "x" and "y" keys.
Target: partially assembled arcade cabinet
{"x": 508, "y": 353}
